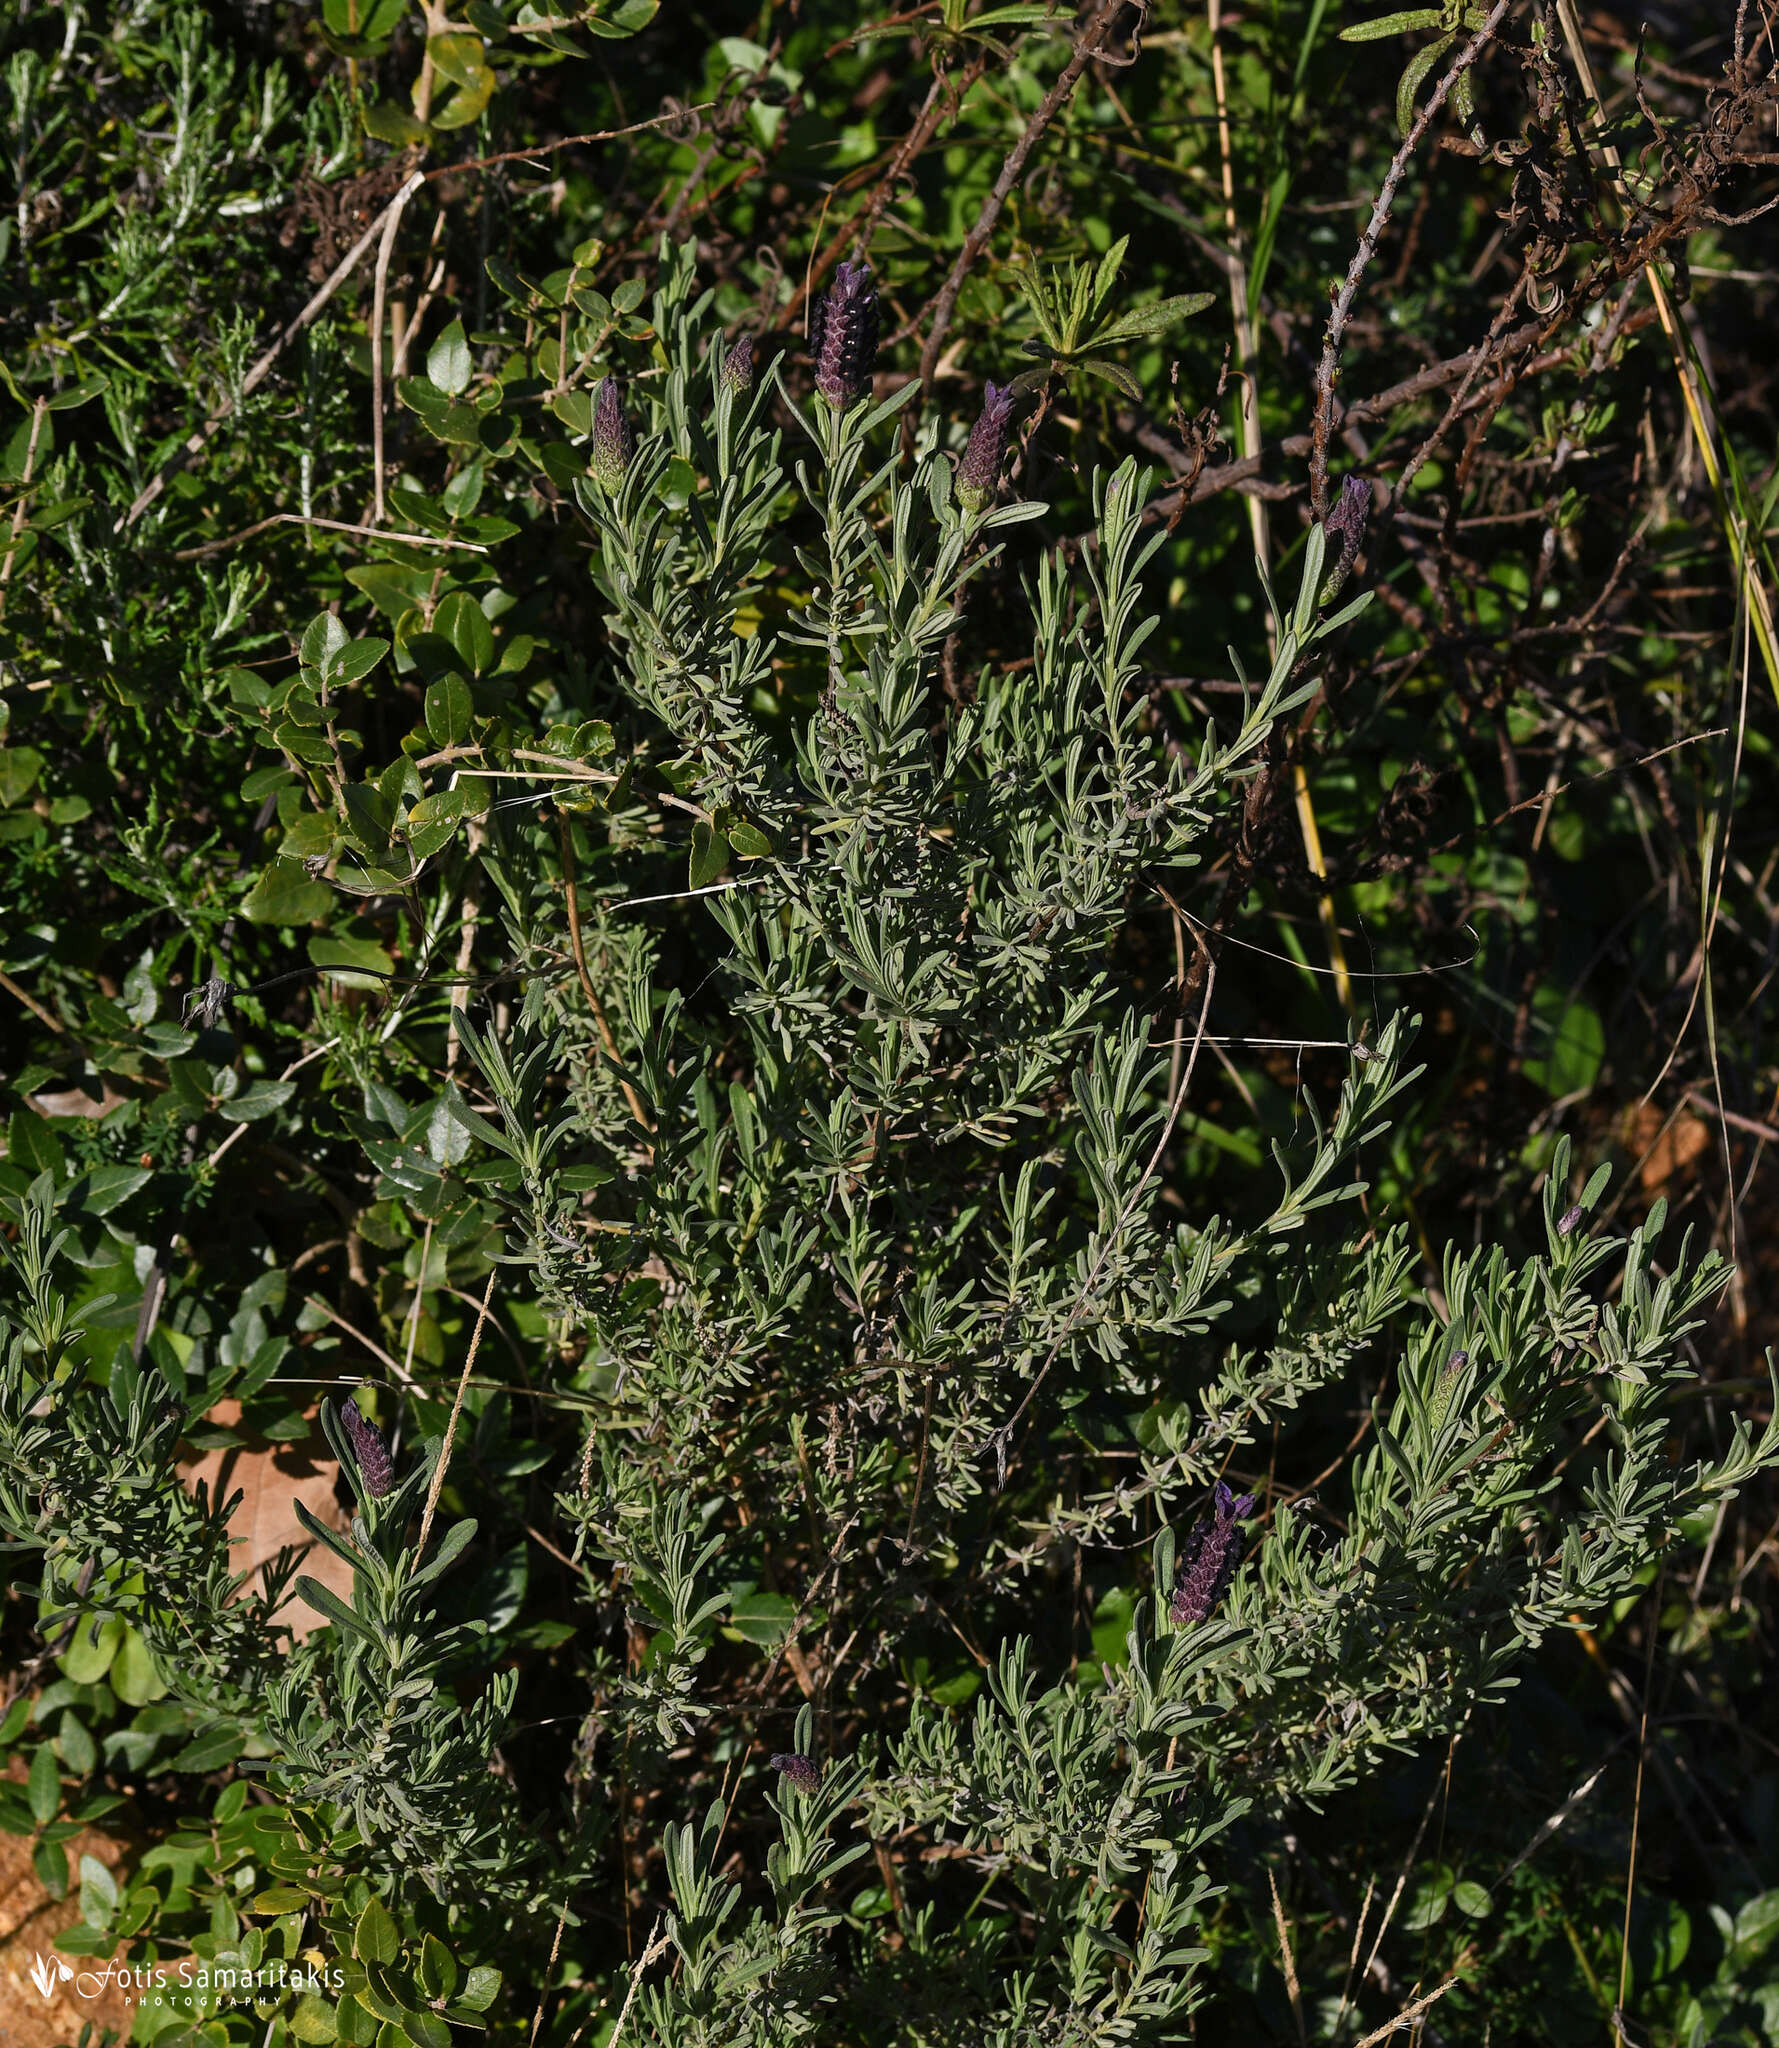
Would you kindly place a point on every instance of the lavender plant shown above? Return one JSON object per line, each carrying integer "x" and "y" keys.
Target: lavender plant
{"x": 840, "y": 1187}
{"x": 885, "y": 1219}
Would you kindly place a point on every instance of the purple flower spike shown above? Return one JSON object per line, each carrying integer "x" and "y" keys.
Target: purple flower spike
{"x": 1212, "y": 1551}
{"x": 1346, "y": 527}
{"x": 979, "y": 474}
{"x": 843, "y": 331}
{"x": 802, "y": 1771}
{"x": 738, "y": 364}
{"x": 1568, "y": 1220}
{"x": 368, "y": 1448}
{"x": 614, "y": 438}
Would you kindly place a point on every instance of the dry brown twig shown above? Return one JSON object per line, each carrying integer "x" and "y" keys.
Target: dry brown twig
{"x": 445, "y": 1448}
{"x": 861, "y": 229}
{"x": 392, "y": 220}
{"x": 31, "y": 1003}
{"x": 411, "y": 540}
{"x": 943, "y": 304}
{"x": 1341, "y": 312}
{"x": 195, "y": 444}
{"x": 601, "y": 1022}
{"x": 26, "y": 487}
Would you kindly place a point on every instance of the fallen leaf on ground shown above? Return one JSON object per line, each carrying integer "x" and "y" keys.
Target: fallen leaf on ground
{"x": 1670, "y": 1152}
{"x": 272, "y": 1479}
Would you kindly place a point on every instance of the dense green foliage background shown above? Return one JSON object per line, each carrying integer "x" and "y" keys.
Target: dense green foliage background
{"x": 1540, "y": 770}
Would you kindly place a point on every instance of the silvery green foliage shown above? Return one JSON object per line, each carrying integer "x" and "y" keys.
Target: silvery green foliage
{"x": 763, "y": 1976}
{"x": 1490, "y": 1404}
{"x": 378, "y": 1730}
{"x": 668, "y": 1569}
{"x": 874, "y": 1247}
{"x": 898, "y": 1223}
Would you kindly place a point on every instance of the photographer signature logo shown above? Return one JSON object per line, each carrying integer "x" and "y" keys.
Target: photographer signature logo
{"x": 47, "y": 1972}
{"x": 227, "y": 1976}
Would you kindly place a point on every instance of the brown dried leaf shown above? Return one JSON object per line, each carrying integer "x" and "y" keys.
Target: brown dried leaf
{"x": 272, "y": 1479}
{"x": 1671, "y": 1151}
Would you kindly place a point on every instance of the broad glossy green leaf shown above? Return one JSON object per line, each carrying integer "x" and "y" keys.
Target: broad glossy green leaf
{"x": 263, "y": 1099}
{"x": 448, "y": 362}
{"x": 762, "y": 1618}
{"x": 461, "y": 621}
{"x": 354, "y": 662}
{"x": 375, "y": 1938}
{"x": 456, "y": 56}
{"x": 104, "y": 1188}
{"x": 96, "y": 1639}
{"x": 323, "y": 638}
{"x": 209, "y": 1750}
{"x": 468, "y": 102}
{"x": 98, "y": 1892}
{"x": 43, "y": 1785}
{"x": 314, "y": 2021}
{"x": 1570, "y": 1041}
{"x": 50, "y": 1861}
{"x": 750, "y": 842}
{"x": 480, "y": 1988}
{"x": 133, "y": 1675}
{"x": 394, "y": 125}
{"x": 342, "y": 955}
{"x": 710, "y": 854}
{"x": 450, "y": 711}
{"x": 625, "y": 18}
{"x": 32, "y": 1144}
{"x": 19, "y": 769}
{"x": 369, "y": 816}
{"x": 438, "y": 1968}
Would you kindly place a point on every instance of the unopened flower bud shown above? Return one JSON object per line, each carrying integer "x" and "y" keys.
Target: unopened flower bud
{"x": 1212, "y": 1550}
{"x": 1345, "y": 527}
{"x": 1445, "y": 1388}
{"x": 802, "y": 1771}
{"x": 843, "y": 330}
{"x": 738, "y": 364}
{"x": 979, "y": 474}
{"x": 1568, "y": 1220}
{"x": 614, "y": 438}
{"x": 368, "y": 1448}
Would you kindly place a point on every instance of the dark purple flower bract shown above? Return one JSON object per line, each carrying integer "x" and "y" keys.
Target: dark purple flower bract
{"x": 843, "y": 330}
{"x": 1209, "y": 1558}
{"x": 738, "y": 364}
{"x": 979, "y": 474}
{"x": 802, "y": 1771}
{"x": 1345, "y": 526}
{"x": 614, "y": 438}
{"x": 368, "y": 1447}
